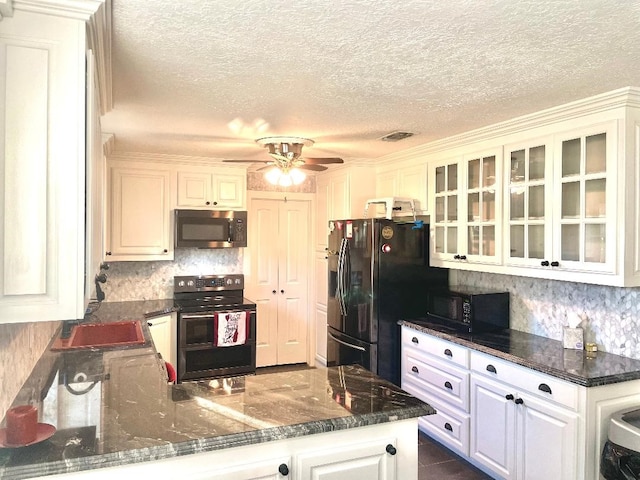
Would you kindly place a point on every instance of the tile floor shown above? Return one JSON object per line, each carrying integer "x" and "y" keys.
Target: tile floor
{"x": 438, "y": 463}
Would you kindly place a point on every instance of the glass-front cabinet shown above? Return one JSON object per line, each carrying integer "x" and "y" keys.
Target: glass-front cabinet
{"x": 558, "y": 201}
{"x": 466, "y": 220}
{"x": 585, "y": 208}
{"x": 528, "y": 174}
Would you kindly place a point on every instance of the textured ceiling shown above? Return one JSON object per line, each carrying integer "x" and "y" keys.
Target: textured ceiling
{"x": 207, "y": 78}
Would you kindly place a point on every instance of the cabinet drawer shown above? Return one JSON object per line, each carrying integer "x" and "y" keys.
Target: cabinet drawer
{"x": 525, "y": 380}
{"x": 449, "y": 426}
{"x": 444, "y": 381}
{"x": 442, "y": 349}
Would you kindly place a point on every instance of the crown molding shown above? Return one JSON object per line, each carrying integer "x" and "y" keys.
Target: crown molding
{"x": 99, "y": 35}
{"x": 620, "y": 98}
{"x": 171, "y": 159}
{"x": 79, "y": 9}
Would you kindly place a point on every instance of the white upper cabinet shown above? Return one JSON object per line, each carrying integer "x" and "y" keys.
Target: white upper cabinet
{"x": 466, "y": 220}
{"x": 42, "y": 160}
{"x": 139, "y": 213}
{"x": 552, "y": 195}
{"x": 218, "y": 188}
{"x": 409, "y": 181}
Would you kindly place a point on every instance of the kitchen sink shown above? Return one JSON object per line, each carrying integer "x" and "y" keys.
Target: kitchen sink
{"x": 100, "y": 335}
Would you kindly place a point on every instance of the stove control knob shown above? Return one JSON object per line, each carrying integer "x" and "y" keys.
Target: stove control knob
{"x": 386, "y": 248}
{"x": 238, "y": 281}
{"x": 181, "y": 283}
{"x": 190, "y": 283}
{"x": 229, "y": 281}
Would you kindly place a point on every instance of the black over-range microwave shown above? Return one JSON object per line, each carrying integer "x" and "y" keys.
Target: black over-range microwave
{"x": 470, "y": 309}
{"x": 210, "y": 228}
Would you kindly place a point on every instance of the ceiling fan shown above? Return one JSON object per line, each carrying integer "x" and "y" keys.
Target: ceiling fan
{"x": 286, "y": 163}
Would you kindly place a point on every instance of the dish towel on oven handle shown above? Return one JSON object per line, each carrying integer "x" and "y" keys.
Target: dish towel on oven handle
{"x": 230, "y": 328}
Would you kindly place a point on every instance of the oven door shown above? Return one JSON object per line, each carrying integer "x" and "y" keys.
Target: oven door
{"x": 199, "y": 358}
{"x": 345, "y": 350}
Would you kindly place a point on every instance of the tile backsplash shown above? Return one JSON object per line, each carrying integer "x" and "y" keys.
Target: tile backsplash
{"x": 541, "y": 307}
{"x": 154, "y": 280}
{"x": 21, "y": 344}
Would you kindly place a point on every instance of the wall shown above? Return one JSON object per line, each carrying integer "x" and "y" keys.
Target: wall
{"x": 21, "y": 345}
{"x": 541, "y": 307}
{"x": 127, "y": 281}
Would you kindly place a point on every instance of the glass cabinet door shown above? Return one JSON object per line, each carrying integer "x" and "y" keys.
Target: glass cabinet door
{"x": 445, "y": 217}
{"x": 583, "y": 210}
{"x": 527, "y": 218}
{"x": 482, "y": 208}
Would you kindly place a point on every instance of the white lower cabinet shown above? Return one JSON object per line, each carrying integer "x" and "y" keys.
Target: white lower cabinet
{"x": 386, "y": 451}
{"x": 519, "y": 436}
{"x": 367, "y": 460}
{"x": 518, "y": 423}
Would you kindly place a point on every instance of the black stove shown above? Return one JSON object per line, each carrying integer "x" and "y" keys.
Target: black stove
{"x": 205, "y": 292}
{"x": 201, "y": 300}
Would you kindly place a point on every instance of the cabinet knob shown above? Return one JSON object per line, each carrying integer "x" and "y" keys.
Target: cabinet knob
{"x": 215, "y": 203}
{"x": 519, "y": 401}
{"x": 414, "y": 340}
{"x": 544, "y": 263}
{"x": 448, "y": 352}
{"x": 149, "y": 324}
{"x": 447, "y": 426}
{"x": 414, "y": 369}
{"x": 491, "y": 368}
{"x": 274, "y": 292}
{"x": 207, "y": 203}
{"x": 463, "y": 257}
{"x": 448, "y": 385}
{"x": 391, "y": 450}
{"x": 508, "y": 396}
{"x": 283, "y": 469}
{"x": 555, "y": 264}
{"x": 456, "y": 257}
{"x": 108, "y": 253}
{"x": 165, "y": 251}
{"x": 281, "y": 291}
{"x": 543, "y": 387}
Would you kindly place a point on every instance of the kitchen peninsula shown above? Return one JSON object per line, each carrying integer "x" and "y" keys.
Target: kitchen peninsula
{"x": 115, "y": 414}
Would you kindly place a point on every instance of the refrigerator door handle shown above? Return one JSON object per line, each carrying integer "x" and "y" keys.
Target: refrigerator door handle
{"x": 346, "y": 344}
{"x": 340, "y": 291}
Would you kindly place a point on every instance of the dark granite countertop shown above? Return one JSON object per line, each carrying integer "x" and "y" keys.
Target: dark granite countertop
{"x": 113, "y": 406}
{"x": 540, "y": 353}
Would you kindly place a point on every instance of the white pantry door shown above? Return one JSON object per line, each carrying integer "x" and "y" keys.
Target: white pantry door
{"x": 279, "y": 236}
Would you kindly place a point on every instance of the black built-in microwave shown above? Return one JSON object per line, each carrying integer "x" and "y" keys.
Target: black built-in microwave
{"x": 470, "y": 309}
{"x": 210, "y": 228}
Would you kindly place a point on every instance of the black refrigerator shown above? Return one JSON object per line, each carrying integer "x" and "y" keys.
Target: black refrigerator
{"x": 379, "y": 273}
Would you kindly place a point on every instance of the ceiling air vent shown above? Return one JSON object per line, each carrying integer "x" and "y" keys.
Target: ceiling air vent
{"x": 396, "y": 136}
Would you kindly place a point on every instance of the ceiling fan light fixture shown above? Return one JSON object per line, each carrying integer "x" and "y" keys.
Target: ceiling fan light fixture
{"x": 285, "y": 178}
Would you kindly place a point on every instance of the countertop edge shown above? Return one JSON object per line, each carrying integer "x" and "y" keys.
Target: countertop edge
{"x": 560, "y": 374}
{"x": 203, "y": 445}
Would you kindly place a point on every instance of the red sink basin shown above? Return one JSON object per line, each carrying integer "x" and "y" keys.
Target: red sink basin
{"x": 96, "y": 335}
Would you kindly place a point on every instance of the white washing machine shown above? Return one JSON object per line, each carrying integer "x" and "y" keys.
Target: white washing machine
{"x": 621, "y": 454}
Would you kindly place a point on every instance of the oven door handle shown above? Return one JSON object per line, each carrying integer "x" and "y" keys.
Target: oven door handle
{"x": 189, "y": 316}
{"x": 346, "y": 344}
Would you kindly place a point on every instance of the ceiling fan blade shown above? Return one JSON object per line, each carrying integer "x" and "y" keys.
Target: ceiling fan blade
{"x": 315, "y": 168}
{"x": 248, "y": 161}
{"x": 322, "y": 160}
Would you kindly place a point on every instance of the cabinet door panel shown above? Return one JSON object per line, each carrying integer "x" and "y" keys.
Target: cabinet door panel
{"x": 139, "y": 214}
{"x": 368, "y": 461}
{"x": 548, "y": 441}
{"x": 493, "y": 427}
